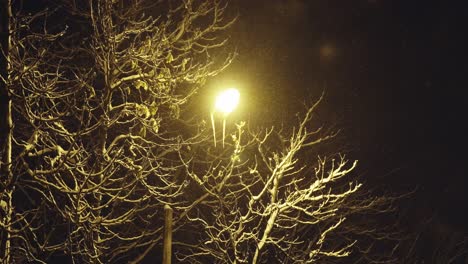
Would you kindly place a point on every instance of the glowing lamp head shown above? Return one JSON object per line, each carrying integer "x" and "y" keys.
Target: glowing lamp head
{"x": 227, "y": 100}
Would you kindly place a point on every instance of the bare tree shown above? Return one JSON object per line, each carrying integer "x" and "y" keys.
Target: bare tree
{"x": 95, "y": 101}
{"x": 6, "y": 176}
{"x": 21, "y": 57}
{"x": 270, "y": 202}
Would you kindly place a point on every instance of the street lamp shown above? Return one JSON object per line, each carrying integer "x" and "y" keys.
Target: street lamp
{"x": 225, "y": 103}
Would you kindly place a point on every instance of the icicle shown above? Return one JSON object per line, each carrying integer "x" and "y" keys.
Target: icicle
{"x": 224, "y": 129}
{"x": 214, "y": 130}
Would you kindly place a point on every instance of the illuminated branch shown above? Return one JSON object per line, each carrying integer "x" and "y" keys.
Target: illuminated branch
{"x": 263, "y": 203}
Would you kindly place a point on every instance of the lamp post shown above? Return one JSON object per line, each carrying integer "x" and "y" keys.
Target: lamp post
{"x": 225, "y": 103}
{"x": 167, "y": 243}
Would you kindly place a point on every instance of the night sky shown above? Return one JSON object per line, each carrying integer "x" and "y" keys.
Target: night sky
{"x": 394, "y": 74}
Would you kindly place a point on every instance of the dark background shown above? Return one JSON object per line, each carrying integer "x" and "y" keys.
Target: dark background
{"x": 394, "y": 75}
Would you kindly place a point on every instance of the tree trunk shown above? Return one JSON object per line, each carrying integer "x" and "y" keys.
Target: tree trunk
{"x": 6, "y": 125}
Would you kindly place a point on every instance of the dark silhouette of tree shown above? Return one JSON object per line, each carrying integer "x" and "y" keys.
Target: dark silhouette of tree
{"x": 439, "y": 242}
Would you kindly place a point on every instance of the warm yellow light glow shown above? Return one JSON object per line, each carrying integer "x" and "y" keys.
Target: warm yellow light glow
{"x": 227, "y": 100}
